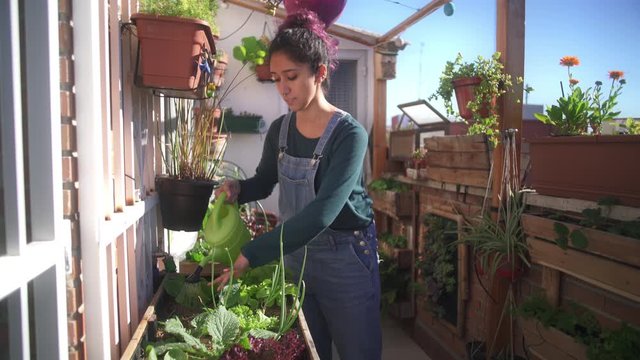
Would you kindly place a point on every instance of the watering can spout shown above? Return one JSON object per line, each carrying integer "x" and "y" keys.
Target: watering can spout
{"x": 225, "y": 232}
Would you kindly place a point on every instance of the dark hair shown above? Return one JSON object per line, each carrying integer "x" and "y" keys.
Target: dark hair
{"x": 303, "y": 38}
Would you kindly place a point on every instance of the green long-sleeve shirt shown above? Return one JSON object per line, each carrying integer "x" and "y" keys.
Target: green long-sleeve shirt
{"x": 341, "y": 201}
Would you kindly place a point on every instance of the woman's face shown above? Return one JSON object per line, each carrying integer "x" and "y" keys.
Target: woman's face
{"x": 295, "y": 82}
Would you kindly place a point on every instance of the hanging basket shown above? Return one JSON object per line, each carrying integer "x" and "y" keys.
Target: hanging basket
{"x": 170, "y": 52}
{"x": 465, "y": 92}
{"x": 183, "y": 203}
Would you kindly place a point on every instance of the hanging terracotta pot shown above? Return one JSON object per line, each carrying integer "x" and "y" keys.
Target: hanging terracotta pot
{"x": 328, "y": 10}
{"x": 465, "y": 92}
{"x": 263, "y": 72}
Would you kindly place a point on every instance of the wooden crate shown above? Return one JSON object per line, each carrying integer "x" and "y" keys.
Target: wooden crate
{"x": 393, "y": 203}
{"x": 550, "y": 343}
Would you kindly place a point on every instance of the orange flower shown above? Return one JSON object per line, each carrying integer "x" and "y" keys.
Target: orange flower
{"x": 569, "y": 61}
{"x": 616, "y": 74}
{"x": 574, "y": 81}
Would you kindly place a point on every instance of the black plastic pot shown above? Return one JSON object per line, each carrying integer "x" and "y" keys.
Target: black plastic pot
{"x": 183, "y": 203}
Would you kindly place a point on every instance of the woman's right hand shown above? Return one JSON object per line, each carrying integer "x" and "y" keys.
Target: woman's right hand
{"x": 232, "y": 188}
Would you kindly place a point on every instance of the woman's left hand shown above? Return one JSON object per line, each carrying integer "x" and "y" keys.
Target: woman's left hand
{"x": 239, "y": 267}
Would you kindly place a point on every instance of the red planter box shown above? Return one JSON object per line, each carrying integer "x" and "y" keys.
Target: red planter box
{"x": 587, "y": 167}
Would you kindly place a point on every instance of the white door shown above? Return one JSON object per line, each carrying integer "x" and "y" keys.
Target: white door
{"x": 32, "y": 243}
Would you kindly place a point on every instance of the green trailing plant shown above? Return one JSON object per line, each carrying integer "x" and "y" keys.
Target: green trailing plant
{"x": 581, "y": 324}
{"x": 437, "y": 263}
{"x": 496, "y": 243}
{"x": 594, "y": 218}
{"x": 197, "y": 9}
{"x": 394, "y": 284}
{"x": 495, "y": 82}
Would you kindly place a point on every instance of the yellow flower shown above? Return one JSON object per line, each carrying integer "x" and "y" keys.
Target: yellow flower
{"x": 616, "y": 74}
{"x": 569, "y": 61}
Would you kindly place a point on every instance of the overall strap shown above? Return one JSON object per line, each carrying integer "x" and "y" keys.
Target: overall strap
{"x": 284, "y": 130}
{"x": 317, "y": 153}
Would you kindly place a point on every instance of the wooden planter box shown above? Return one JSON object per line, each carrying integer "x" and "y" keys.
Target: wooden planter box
{"x": 394, "y": 203}
{"x": 587, "y": 167}
{"x": 550, "y": 343}
{"x": 176, "y": 69}
{"x": 403, "y": 257}
{"x": 148, "y": 326}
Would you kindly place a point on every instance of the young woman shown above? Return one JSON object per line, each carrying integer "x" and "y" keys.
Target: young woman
{"x": 316, "y": 153}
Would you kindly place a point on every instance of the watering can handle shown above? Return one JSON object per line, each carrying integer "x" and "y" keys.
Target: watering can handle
{"x": 220, "y": 203}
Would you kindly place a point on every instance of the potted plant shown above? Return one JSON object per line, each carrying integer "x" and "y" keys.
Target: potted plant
{"x": 254, "y": 51}
{"x": 477, "y": 86}
{"x": 579, "y": 162}
{"x": 191, "y": 158}
{"x": 392, "y": 197}
{"x": 185, "y": 27}
{"x": 499, "y": 246}
{"x": 416, "y": 166}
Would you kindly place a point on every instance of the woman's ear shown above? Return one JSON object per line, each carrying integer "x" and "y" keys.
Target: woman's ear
{"x": 321, "y": 74}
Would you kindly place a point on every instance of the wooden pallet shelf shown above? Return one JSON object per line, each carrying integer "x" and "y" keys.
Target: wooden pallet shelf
{"x": 403, "y": 257}
{"x": 394, "y": 204}
{"x": 550, "y": 343}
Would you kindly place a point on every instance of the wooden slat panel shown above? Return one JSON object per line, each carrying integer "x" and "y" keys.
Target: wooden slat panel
{"x": 459, "y": 160}
{"x": 449, "y": 207}
{"x": 620, "y": 248}
{"x": 478, "y": 178}
{"x": 158, "y": 136}
{"x": 450, "y": 195}
{"x": 130, "y": 106}
{"x": 622, "y": 213}
{"x": 458, "y": 143}
{"x": 124, "y": 319}
{"x": 620, "y": 279}
{"x": 107, "y": 140}
{"x": 551, "y": 285}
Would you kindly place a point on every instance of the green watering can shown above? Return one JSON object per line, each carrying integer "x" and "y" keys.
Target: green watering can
{"x": 225, "y": 233}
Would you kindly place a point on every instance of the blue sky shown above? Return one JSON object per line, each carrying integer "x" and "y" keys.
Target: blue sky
{"x": 605, "y": 35}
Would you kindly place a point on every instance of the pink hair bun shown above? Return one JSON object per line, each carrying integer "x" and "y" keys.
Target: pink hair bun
{"x": 328, "y": 10}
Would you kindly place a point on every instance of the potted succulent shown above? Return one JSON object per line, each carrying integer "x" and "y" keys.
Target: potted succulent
{"x": 579, "y": 162}
{"x": 254, "y": 51}
{"x": 191, "y": 157}
{"x": 477, "y": 86}
{"x": 185, "y": 27}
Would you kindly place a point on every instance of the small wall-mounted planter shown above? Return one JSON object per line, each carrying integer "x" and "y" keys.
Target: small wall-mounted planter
{"x": 398, "y": 204}
{"x": 170, "y": 53}
{"x": 243, "y": 123}
{"x": 263, "y": 72}
{"x": 587, "y": 167}
{"x": 403, "y": 257}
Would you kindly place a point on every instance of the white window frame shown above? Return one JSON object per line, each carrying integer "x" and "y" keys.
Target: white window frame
{"x": 40, "y": 261}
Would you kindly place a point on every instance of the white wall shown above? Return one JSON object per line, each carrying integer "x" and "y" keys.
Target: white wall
{"x": 263, "y": 98}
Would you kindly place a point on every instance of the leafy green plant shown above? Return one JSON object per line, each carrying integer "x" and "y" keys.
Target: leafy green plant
{"x": 394, "y": 284}
{"x": 580, "y": 109}
{"x": 495, "y": 82}
{"x": 621, "y": 344}
{"x": 437, "y": 263}
{"x": 197, "y": 9}
{"x": 632, "y": 127}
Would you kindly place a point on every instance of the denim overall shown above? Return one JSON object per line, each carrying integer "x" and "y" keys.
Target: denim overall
{"x": 342, "y": 301}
